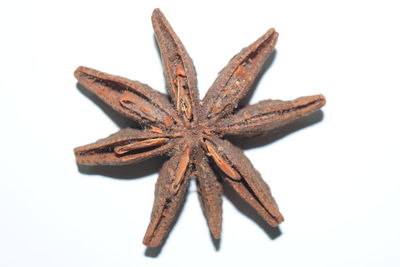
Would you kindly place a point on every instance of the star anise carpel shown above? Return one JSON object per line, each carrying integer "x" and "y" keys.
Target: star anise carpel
{"x": 192, "y": 132}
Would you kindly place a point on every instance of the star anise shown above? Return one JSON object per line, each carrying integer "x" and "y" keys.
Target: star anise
{"x": 191, "y": 132}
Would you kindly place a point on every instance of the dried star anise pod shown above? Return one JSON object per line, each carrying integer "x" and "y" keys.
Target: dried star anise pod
{"x": 191, "y": 132}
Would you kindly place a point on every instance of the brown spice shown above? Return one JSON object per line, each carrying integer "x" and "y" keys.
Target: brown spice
{"x": 191, "y": 131}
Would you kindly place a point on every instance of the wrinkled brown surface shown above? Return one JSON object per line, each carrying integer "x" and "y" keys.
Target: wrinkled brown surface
{"x": 235, "y": 80}
{"x": 191, "y": 131}
{"x": 250, "y": 186}
{"x": 146, "y": 105}
{"x": 167, "y": 200}
{"x": 103, "y": 151}
{"x": 178, "y": 68}
{"x": 210, "y": 194}
{"x": 269, "y": 114}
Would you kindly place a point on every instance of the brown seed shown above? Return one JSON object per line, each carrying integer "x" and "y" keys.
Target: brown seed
{"x": 222, "y": 164}
{"x": 139, "y": 145}
{"x": 180, "y": 71}
{"x": 155, "y": 129}
{"x": 131, "y": 102}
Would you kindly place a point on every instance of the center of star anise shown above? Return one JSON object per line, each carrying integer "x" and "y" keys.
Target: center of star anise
{"x": 196, "y": 134}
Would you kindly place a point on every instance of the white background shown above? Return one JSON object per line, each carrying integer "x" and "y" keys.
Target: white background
{"x": 335, "y": 175}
